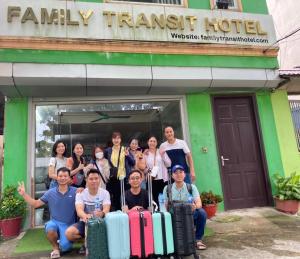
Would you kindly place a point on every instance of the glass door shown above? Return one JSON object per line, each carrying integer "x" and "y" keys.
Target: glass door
{"x": 94, "y": 123}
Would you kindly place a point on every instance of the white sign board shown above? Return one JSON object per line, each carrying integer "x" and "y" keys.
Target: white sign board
{"x": 95, "y": 21}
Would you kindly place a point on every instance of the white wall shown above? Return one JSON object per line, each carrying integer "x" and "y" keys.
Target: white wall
{"x": 286, "y": 15}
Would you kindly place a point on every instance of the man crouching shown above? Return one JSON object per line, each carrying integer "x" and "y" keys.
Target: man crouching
{"x": 94, "y": 201}
{"x": 61, "y": 202}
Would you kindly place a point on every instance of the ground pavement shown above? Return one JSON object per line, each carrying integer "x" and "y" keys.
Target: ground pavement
{"x": 260, "y": 233}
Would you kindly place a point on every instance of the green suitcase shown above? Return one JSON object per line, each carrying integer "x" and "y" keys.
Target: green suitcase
{"x": 96, "y": 239}
{"x": 163, "y": 233}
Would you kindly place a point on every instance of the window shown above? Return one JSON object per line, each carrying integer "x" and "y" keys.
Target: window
{"x": 168, "y": 2}
{"x": 295, "y": 110}
{"x": 93, "y": 123}
{"x": 232, "y": 4}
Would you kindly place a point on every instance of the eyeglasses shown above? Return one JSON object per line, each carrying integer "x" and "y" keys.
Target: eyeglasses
{"x": 135, "y": 178}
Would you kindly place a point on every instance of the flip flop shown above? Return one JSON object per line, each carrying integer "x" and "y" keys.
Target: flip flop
{"x": 200, "y": 245}
{"x": 55, "y": 254}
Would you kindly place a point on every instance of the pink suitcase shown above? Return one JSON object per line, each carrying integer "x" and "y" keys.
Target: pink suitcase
{"x": 141, "y": 234}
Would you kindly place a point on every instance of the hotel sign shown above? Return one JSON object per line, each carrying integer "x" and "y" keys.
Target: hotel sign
{"x": 94, "y": 21}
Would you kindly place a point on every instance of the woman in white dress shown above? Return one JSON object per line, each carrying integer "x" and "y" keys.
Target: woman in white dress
{"x": 157, "y": 163}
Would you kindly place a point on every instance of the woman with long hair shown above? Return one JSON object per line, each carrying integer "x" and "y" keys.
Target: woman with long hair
{"x": 58, "y": 159}
{"x": 157, "y": 164}
{"x": 78, "y": 166}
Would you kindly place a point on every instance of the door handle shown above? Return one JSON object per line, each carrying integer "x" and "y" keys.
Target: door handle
{"x": 223, "y": 160}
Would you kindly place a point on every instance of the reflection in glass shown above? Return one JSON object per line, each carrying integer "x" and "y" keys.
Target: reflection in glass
{"x": 93, "y": 124}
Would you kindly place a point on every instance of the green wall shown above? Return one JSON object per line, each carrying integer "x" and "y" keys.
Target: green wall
{"x": 202, "y": 135}
{"x": 196, "y": 4}
{"x": 15, "y": 141}
{"x": 255, "y": 6}
{"x": 81, "y": 57}
{"x": 285, "y": 130}
{"x": 201, "y": 127}
{"x": 270, "y": 139}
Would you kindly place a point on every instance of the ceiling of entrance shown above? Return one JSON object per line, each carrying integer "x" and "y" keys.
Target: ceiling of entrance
{"x": 107, "y": 117}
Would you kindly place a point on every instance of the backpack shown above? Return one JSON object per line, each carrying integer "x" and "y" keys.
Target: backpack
{"x": 169, "y": 191}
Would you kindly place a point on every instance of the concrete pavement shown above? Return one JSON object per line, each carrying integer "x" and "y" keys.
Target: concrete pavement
{"x": 250, "y": 233}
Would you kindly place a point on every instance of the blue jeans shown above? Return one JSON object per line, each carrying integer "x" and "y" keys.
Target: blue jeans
{"x": 200, "y": 222}
{"x": 60, "y": 228}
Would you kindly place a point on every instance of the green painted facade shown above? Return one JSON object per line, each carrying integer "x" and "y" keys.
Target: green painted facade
{"x": 286, "y": 134}
{"x": 202, "y": 135}
{"x": 278, "y": 140}
{"x": 269, "y": 136}
{"x": 15, "y": 139}
{"x": 134, "y": 59}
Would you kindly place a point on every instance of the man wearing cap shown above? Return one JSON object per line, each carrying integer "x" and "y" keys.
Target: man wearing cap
{"x": 179, "y": 153}
{"x": 184, "y": 192}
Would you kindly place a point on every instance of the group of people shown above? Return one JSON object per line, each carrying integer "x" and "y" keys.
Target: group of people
{"x": 84, "y": 189}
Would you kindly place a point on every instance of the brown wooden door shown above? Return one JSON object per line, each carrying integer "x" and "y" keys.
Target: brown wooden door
{"x": 243, "y": 177}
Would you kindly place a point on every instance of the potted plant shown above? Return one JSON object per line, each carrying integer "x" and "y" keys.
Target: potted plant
{"x": 12, "y": 210}
{"x": 210, "y": 203}
{"x": 288, "y": 193}
{"x": 222, "y": 4}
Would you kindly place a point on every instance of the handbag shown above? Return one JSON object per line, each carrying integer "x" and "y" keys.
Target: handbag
{"x": 78, "y": 179}
{"x": 113, "y": 171}
{"x": 155, "y": 168}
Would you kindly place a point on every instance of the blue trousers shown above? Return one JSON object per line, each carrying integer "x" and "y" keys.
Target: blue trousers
{"x": 200, "y": 222}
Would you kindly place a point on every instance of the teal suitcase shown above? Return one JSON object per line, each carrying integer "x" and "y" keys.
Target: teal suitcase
{"x": 96, "y": 239}
{"x": 118, "y": 238}
{"x": 163, "y": 233}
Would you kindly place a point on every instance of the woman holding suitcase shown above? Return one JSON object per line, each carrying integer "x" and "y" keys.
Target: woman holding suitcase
{"x": 120, "y": 161}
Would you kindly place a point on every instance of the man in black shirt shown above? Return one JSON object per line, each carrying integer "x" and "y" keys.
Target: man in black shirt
{"x": 136, "y": 198}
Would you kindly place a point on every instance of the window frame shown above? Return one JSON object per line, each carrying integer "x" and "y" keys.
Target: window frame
{"x": 295, "y": 103}
{"x": 34, "y": 102}
{"x": 239, "y": 7}
{"x": 183, "y": 5}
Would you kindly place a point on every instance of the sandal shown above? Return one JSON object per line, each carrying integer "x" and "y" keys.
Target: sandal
{"x": 55, "y": 254}
{"x": 200, "y": 245}
{"x": 82, "y": 250}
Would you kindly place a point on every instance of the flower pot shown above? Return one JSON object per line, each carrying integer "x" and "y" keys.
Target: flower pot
{"x": 287, "y": 206}
{"x": 210, "y": 209}
{"x": 10, "y": 227}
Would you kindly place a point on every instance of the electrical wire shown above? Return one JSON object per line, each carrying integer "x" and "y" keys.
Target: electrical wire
{"x": 283, "y": 38}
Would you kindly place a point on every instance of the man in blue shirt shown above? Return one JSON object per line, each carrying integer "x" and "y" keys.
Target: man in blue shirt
{"x": 182, "y": 191}
{"x": 61, "y": 202}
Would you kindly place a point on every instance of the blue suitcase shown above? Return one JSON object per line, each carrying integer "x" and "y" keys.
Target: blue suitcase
{"x": 117, "y": 225}
{"x": 163, "y": 233}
